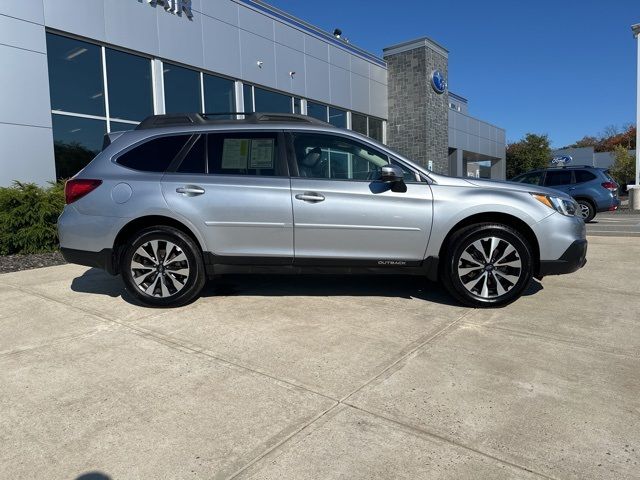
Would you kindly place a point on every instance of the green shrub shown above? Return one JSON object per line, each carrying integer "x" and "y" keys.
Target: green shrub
{"x": 28, "y": 216}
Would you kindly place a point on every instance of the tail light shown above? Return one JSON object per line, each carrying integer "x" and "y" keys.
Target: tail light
{"x": 75, "y": 189}
{"x": 611, "y": 186}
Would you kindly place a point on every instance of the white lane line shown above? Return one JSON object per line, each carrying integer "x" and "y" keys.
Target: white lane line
{"x": 606, "y": 227}
{"x": 626, "y": 232}
{"x": 612, "y": 220}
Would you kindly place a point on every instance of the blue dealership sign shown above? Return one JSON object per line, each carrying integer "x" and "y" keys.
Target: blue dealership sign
{"x": 438, "y": 82}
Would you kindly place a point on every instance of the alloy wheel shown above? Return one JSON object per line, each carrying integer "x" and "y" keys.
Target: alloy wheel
{"x": 160, "y": 268}
{"x": 585, "y": 211}
{"x": 489, "y": 267}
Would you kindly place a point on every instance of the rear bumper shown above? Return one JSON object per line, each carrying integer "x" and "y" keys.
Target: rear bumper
{"x": 574, "y": 258}
{"x": 102, "y": 259}
{"x": 607, "y": 206}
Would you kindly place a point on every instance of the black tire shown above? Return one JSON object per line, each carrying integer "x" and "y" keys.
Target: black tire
{"x": 181, "y": 280}
{"x": 498, "y": 278}
{"x": 586, "y": 205}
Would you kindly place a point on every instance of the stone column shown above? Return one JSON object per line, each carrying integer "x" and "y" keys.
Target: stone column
{"x": 417, "y": 125}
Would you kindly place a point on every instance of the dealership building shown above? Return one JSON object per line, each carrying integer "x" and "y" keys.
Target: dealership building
{"x": 75, "y": 70}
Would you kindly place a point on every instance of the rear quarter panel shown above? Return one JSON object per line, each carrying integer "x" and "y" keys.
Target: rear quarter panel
{"x": 125, "y": 194}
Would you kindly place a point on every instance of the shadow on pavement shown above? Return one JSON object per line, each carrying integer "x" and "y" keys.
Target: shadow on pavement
{"x": 96, "y": 281}
{"x": 93, "y": 476}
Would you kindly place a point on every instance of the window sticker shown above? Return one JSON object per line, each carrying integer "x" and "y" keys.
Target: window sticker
{"x": 262, "y": 150}
{"x": 235, "y": 153}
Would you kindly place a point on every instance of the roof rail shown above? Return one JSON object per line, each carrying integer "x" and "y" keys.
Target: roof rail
{"x": 573, "y": 166}
{"x": 186, "y": 119}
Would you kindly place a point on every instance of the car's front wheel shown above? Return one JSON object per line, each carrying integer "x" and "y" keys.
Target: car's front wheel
{"x": 163, "y": 267}
{"x": 487, "y": 265}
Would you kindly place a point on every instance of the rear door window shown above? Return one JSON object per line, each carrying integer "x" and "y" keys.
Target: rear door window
{"x": 154, "y": 155}
{"x": 250, "y": 153}
{"x": 558, "y": 177}
{"x": 583, "y": 176}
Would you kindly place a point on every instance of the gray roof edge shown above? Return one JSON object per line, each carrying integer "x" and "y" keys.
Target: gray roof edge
{"x": 413, "y": 44}
{"x": 458, "y": 97}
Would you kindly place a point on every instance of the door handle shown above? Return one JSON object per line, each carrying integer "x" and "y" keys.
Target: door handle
{"x": 312, "y": 197}
{"x": 190, "y": 190}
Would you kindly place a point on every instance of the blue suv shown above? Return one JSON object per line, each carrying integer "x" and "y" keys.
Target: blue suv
{"x": 592, "y": 187}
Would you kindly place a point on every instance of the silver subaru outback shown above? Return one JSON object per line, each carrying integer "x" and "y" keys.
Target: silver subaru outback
{"x": 183, "y": 198}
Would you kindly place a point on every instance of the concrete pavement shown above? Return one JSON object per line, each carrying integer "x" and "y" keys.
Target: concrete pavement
{"x": 321, "y": 377}
{"x": 615, "y": 224}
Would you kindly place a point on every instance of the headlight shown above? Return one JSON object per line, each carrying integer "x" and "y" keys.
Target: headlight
{"x": 565, "y": 206}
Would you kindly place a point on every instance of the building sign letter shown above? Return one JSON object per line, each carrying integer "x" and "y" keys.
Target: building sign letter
{"x": 177, "y": 7}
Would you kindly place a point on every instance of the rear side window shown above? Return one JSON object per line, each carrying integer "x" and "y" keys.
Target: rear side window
{"x": 558, "y": 177}
{"x": 584, "y": 176}
{"x": 154, "y": 155}
{"x": 251, "y": 153}
{"x": 534, "y": 178}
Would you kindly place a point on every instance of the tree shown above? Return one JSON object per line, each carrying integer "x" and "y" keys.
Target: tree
{"x": 532, "y": 152}
{"x": 610, "y": 131}
{"x": 586, "y": 141}
{"x": 624, "y": 166}
{"x": 611, "y": 137}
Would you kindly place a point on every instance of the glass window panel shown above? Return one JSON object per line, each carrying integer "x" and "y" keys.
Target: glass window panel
{"x": 557, "y": 177}
{"x": 194, "y": 161}
{"x": 121, "y": 126}
{"x": 317, "y": 110}
{"x": 219, "y": 95}
{"x": 375, "y": 128}
{"x": 272, "y": 102}
{"x": 181, "y": 89}
{"x": 76, "y": 141}
{"x": 583, "y": 176}
{"x": 334, "y": 157}
{"x": 129, "y": 84}
{"x": 155, "y": 155}
{"x": 359, "y": 123}
{"x": 296, "y": 105}
{"x": 409, "y": 175}
{"x": 337, "y": 117}
{"x": 534, "y": 178}
{"x": 75, "y": 75}
{"x": 248, "y": 98}
{"x": 244, "y": 154}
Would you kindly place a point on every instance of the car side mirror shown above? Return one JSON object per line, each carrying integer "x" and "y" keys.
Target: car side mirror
{"x": 391, "y": 174}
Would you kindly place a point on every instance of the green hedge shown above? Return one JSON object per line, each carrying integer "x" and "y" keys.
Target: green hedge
{"x": 28, "y": 216}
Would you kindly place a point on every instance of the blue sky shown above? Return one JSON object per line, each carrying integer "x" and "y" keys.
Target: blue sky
{"x": 566, "y": 68}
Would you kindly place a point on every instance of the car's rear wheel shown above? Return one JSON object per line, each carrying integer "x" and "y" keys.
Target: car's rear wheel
{"x": 163, "y": 267}
{"x": 487, "y": 265}
{"x": 587, "y": 210}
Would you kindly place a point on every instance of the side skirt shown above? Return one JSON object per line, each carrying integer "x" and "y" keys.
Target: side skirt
{"x": 220, "y": 265}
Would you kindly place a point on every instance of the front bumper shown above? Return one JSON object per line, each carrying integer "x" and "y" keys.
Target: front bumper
{"x": 574, "y": 258}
